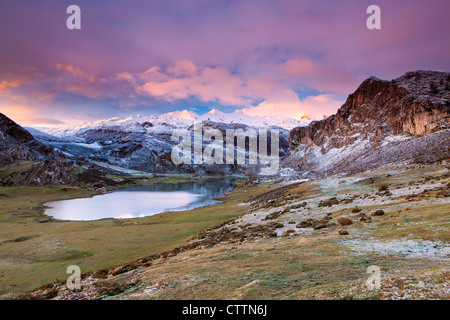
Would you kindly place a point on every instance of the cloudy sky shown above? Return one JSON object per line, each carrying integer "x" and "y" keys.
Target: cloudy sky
{"x": 151, "y": 57}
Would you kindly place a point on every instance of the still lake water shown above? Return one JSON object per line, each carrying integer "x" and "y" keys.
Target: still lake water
{"x": 142, "y": 200}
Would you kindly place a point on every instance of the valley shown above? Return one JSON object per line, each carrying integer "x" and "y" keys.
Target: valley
{"x": 36, "y": 249}
{"x": 366, "y": 187}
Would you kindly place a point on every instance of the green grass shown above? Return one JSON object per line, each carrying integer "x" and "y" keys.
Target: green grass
{"x": 89, "y": 244}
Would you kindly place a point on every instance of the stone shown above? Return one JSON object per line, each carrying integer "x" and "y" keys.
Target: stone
{"x": 378, "y": 213}
{"x": 345, "y": 221}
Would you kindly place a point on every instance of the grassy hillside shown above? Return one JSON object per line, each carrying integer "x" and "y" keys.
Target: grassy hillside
{"x": 35, "y": 250}
{"x": 309, "y": 240}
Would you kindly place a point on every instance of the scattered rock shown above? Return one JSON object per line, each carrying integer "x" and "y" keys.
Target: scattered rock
{"x": 273, "y": 215}
{"x": 288, "y": 232}
{"x": 306, "y": 224}
{"x": 328, "y": 202}
{"x": 345, "y": 221}
{"x": 378, "y": 213}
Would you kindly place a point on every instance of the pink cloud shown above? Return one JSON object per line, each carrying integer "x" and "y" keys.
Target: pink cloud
{"x": 288, "y": 104}
{"x": 262, "y": 50}
{"x": 185, "y": 79}
{"x": 322, "y": 77}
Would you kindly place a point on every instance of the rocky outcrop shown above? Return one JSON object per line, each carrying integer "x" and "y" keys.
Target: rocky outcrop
{"x": 43, "y": 166}
{"x": 9, "y": 128}
{"x": 38, "y": 174}
{"x": 382, "y": 122}
{"x": 18, "y": 143}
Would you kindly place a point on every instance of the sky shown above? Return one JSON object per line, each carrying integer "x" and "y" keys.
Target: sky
{"x": 283, "y": 57}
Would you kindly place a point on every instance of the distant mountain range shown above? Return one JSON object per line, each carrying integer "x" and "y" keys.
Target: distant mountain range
{"x": 180, "y": 119}
{"x": 403, "y": 120}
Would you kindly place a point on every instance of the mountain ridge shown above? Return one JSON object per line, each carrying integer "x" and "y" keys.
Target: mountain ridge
{"x": 381, "y": 117}
{"x": 181, "y": 119}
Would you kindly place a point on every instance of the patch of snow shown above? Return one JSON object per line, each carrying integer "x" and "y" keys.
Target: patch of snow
{"x": 94, "y": 145}
{"x": 407, "y": 248}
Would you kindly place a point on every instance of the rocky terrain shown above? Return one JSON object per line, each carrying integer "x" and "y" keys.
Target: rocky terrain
{"x": 140, "y": 145}
{"x": 27, "y": 159}
{"x": 382, "y": 122}
{"x": 44, "y": 166}
{"x": 312, "y": 240}
{"x": 18, "y": 143}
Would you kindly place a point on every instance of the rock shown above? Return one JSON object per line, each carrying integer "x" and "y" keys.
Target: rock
{"x": 17, "y": 143}
{"x": 328, "y": 202}
{"x": 288, "y": 232}
{"x": 322, "y": 224}
{"x": 405, "y": 110}
{"x": 343, "y": 232}
{"x": 306, "y": 224}
{"x": 273, "y": 215}
{"x": 378, "y": 213}
{"x": 101, "y": 190}
{"x": 275, "y": 225}
{"x": 345, "y": 221}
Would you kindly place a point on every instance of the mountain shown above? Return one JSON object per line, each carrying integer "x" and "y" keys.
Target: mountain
{"x": 382, "y": 122}
{"x": 147, "y": 146}
{"x": 240, "y": 116}
{"x": 18, "y": 143}
{"x": 33, "y": 162}
{"x": 134, "y": 142}
{"x": 178, "y": 119}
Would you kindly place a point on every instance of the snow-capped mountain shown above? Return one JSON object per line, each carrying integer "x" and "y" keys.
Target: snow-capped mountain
{"x": 178, "y": 119}
{"x": 131, "y": 123}
{"x": 239, "y": 116}
{"x": 382, "y": 122}
{"x": 145, "y": 143}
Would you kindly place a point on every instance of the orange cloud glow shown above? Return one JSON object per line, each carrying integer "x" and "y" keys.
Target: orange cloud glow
{"x": 4, "y": 85}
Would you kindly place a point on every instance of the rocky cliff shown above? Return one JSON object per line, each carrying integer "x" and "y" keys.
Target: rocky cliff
{"x": 18, "y": 143}
{"x": 406, "y": 119}
{"x": 41, "y": 165}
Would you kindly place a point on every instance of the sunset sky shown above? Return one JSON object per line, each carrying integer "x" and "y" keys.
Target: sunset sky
{"x": 152, "y": 57}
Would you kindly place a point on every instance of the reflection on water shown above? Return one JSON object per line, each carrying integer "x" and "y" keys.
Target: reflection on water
{"x": 141, "y": 201}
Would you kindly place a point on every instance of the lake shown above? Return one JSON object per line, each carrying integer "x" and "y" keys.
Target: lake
{"x": 142, "y": 200}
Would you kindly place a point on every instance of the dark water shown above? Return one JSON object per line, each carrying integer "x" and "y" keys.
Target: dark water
{"x": 141, "y": 201}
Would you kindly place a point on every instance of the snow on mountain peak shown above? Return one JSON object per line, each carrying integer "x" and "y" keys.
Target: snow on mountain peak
{"x": 182, "y": 119}
{"x": 215, "y": 111}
